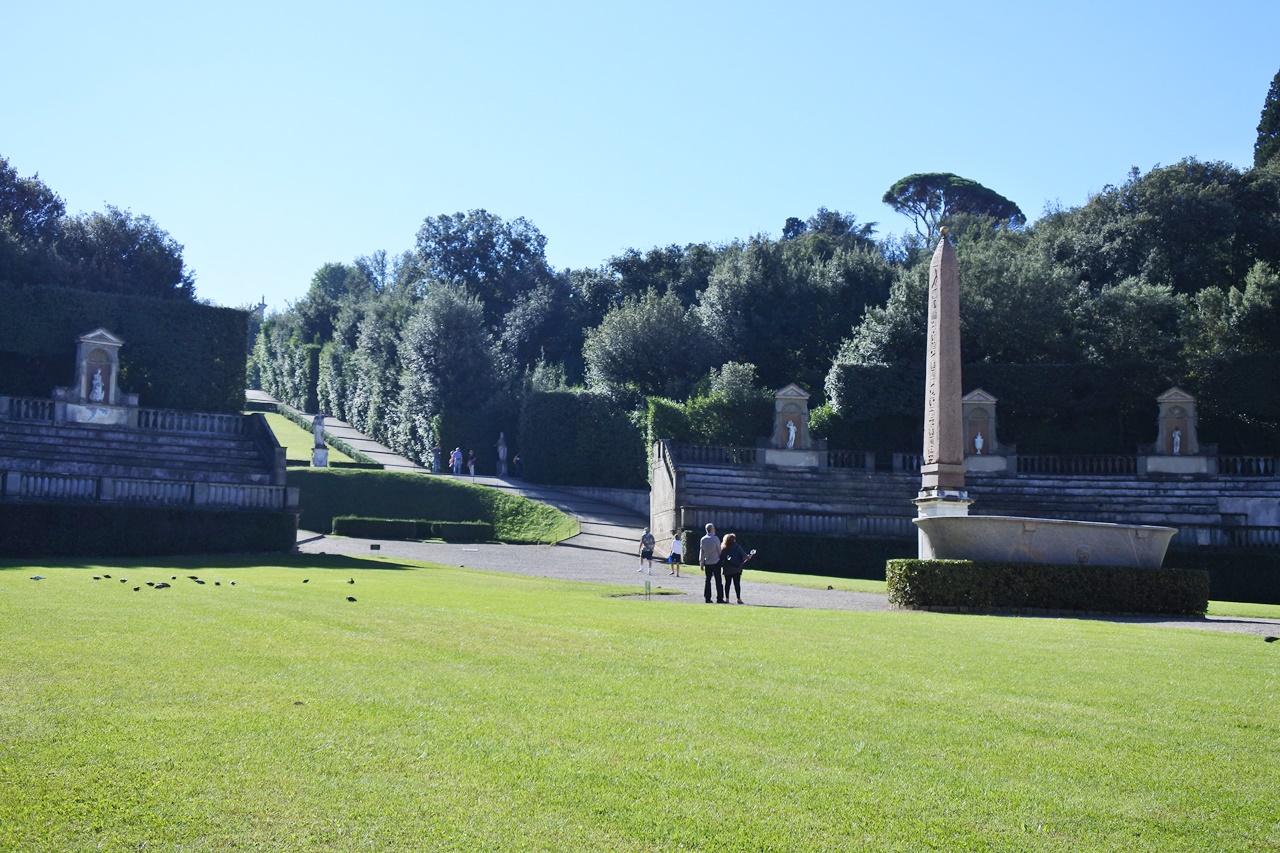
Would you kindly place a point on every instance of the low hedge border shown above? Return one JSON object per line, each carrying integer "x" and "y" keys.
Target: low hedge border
{"x": 1035, "y": 589}
{"x": 405, "y": 529}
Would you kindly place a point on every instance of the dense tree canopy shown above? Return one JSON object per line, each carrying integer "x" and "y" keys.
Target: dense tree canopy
{"x": 1267, "y": 146}
{"x": 114, "y": 251}
{"x": 931, "y": 197}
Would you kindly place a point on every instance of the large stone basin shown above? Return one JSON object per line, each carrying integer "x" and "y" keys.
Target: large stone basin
{"x": 1006, "y": 539}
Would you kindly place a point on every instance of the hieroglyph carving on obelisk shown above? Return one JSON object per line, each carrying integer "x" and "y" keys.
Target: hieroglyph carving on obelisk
{"x": 943, "y": 468}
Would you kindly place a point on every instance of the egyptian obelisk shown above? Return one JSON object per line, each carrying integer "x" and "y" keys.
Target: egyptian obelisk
{"x": 942, "y": 472}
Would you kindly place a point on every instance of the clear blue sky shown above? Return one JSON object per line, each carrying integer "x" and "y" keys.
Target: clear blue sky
{"x": 269, "y": 138}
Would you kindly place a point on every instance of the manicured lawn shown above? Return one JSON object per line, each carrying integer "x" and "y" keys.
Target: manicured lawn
{"x": 448, "y": 709}
{"x": 296, "y": 441}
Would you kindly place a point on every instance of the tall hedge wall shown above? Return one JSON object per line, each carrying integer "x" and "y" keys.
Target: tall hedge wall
{"x": 117, "y": 530}
{"x": 578, "y": 438}
{"x": 176, "y": 354}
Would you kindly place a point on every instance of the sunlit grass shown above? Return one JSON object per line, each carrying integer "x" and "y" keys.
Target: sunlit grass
{"x": 448, "y": 709}
{"x": 296, "y": 441}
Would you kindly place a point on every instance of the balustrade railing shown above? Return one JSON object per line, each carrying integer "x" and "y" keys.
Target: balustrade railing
{"x": 165, "y": 492}
{"x": 1078, "y": 464}
{"x": 1225, "y": 536}
{"x": 713, "y": 454}
{"x": 15, "y": 485}
{"x": 727, "y": 520}
{"x": 57, "y": 487}
{"x": 29, "y": 409}
{"x": 203, "y": 423}
{"x": 1247, "y": 466}
{"x": 862, "y": 460}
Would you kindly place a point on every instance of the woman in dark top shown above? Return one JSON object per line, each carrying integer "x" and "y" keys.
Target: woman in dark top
{"x": 733, "y": 558}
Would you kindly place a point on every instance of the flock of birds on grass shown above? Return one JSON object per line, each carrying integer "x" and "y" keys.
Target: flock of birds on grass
{"x": 163, "y": 585}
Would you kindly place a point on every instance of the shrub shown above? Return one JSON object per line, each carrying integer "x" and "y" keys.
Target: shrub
{"x": 968, "y": 585}
{"x": 456, "y": 531}
{"x": 375, "y": 528}
{"x": 579, "y": 438}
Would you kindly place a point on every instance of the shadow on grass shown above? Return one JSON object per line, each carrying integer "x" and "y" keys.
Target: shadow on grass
{"x": 215, "y": 561}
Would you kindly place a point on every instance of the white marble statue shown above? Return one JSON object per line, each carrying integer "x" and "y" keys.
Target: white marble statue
{"x": 791, "y": 435}
{"x": 1177, "y": 441}
{"x": 98, "y": 394}
{"x": 502, "y": 454}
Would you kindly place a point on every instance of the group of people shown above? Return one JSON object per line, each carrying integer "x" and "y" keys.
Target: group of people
{"x": 721, "y": 561}
{"x": 456, "y": 460}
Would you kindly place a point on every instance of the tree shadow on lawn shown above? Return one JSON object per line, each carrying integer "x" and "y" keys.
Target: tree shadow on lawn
{"x": 207, "y": 562}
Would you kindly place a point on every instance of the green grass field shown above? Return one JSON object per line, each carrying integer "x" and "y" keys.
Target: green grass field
{"x": 296, "y": 441}
{"x": 449, "y": 709}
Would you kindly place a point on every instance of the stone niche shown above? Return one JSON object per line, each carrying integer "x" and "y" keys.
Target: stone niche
{"x": 1177, "y": 447}
{"x": 982, "y": 448}
{"x": 96, "y": 398}
{"x": 790, "y": 444}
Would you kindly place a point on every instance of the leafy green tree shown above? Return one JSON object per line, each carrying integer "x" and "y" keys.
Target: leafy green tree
{"x": 782, "y": 306}
{"x": 119, "y": 252}
{"x": 680, "y": 270}
{"x": 931, "y": 197}
{"x": 494, "y": 259}
{"x": 29, "y": 210}
{"x": 652, "y": 345}
{"x": 1268, "y": 144}
{"x": 447, "y": 360}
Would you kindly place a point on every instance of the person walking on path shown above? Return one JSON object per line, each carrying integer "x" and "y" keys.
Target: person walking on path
{"x": 471, "y": 462}
{"x": 733, "y": 558}
{"x": 455, "y": 460}
{"x": 436, "y": 455}
{"x": 709, "y": 559}
{"x": 677, "y": 551}
{"x": 646, "y": 550}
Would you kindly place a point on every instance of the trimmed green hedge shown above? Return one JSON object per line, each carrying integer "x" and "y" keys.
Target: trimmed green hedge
{"x": 113, "y": 530}
{"x": 1252, "y": 576}
{"x": 793, "y": 553}
{"x": 405, "y": 529}
{"x": 325, "y": 493}
{"x": 375, "y": 528}
{"x": 967, "y": 585}
{"x": 361, "y": 460}
{"x": 578, "y": 438}
{"x": 457, "y": 531}
{"x": 176, "y": 354}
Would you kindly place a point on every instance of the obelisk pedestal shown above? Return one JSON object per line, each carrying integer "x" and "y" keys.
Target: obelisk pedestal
{"x": 942, "y": 491}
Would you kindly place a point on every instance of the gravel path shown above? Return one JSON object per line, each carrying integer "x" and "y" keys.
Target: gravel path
{"x": 591, "y": 565}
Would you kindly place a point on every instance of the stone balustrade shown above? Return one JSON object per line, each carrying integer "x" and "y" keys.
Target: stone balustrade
{"x": 17, "y": 485}
{"x": 26, "y": 409}
{"x": 200, "y": 423}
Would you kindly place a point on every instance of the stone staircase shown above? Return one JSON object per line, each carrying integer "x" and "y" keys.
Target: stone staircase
{"x": 169, "y": 458}
{"x": 878, "y": 503}
{"x": 80, "y": 450}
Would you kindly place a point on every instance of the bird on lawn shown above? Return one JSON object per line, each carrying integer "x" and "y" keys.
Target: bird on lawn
{"x": 162, "y": 585}
{"x": 351, "y": 598}
{"x": 37, "y": 577}
{"x": 351, "y": 580}
{"x": 97, "y": 577}
{"x": 200, "y": 582}
{"x": 1270, "y": 639}
{"x": 306, "y": 580}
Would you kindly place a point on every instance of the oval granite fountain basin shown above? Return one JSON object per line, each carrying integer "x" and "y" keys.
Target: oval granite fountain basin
{"x": 1006, "y": 539}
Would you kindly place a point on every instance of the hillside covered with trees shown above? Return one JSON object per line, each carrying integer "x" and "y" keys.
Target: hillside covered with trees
{"x": 1075, "y": 321}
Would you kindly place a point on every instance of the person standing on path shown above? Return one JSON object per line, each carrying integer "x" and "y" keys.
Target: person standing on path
{"x": 733, "y": 558}
{"x": 455, "y": 460}
{"x": 677, "y": 552}
{"x": 436, "y": 455}
{"x": 646, "y": 550}
{"x": 471, "y": 462}
{"x": 709, "y": 559}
